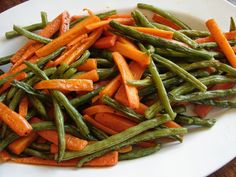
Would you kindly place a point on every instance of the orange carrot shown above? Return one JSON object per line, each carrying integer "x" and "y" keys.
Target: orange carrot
{"x": 100, "y": 109}
{"x": 77, "y": 40}
{"x": 127, "y": 42}
{"x": 125, "y": 149}
{"x": 125, "y": 21}
{"x": 131, "y": 92}
{"x": 222, "y": 41}
{"x": 4, "y": 156}
{"x": 99, "y": 126}
{"x": 19, "y": 145}
{"x": 119, "y": 16}
{"x": 172, "y": 124}
{"x": 7, "y": 85}
{"x": 65, "y": 22}
{"x": 41, "y": 140}
{"x": 141, "y": 109}
{"x": 105, "y": 42}
{"x": 159, "y": 19}
{"x": 89, "y": 65}
{"x": 20, "y": 52}
{"x": 72, "y": 143}
{"x": 234, "y": 49}
{"x": 91, "y": 75}
{"x": 64, "y": 39}
{"x": 23, "y": 107}
{"x": 155, "y": 32}
{"x": 53, "y": 148}
{"x": 75, "y": 17}
{"x": 66, "y": 84}
{"x": 111, "y": 87}
{"x": 114, "y": 122}
{"x": 131, "y": 53}
{"x": 106, "y": 160}
{"x": 228, "y": 35}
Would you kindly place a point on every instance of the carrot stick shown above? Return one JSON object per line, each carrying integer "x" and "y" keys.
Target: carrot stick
{"x": 66, "y": 84}
{"x": 53, "y": 148}
{"x": 141, "y": 109}
{"x": 111, "y": 87}
{"x": 155, "y": 32}
{"x": 48, "y": 31}
{"x": 159, "y": 19}
{"x": 4, "y": 156}
{"x": 15, "y": 121}
{"x": 108, "y": 159}
{"x": 131, "y": 53}
{"x": 105, "y": 42}
{"x": 125, "y": 21}
{"x": 228, "y": 35}
{"x": 172, "y": 124}
{"x": 89, "y": 65}
{"x": 127, "y": 42}
{"x": 131, "y": 92}
{"x": 234, "y": 49}
{"x": 65, "y": 22}
{"x": 91, "y": 75}
{"x": 19, "y": 145}
{"x": 77, "y": 40}
{"x": 222, "y": 41}
{"x": 72, "y": 143}
{"x": 99, "y": 126}
{"x": 114, "y": 122}
{"x": 100, "y": 109}
{"x": 64, "y": 39}
{"x": 75, "y": 17}
{"x": 7, "y": 85}
{"x": 23, "y": 106}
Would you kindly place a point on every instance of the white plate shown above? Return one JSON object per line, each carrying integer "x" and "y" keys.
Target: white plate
{"x": 201, "y": 153}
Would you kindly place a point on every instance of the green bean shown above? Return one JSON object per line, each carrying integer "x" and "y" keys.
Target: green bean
{"x": 44, "y": 18}
{"x": 218, "y": 103}
{"x": 101, "y": 62}
{"x": 179, "y": 109}
{"x": 100, "y": 15}
{"x": 35, "y": 153}
{"x": 164, "y": 14}
{"x": 4, "y": 131}
{"x": 8, "y": 140}
{"x": 69, "y": 73}
{"x": 137, "y": 153}
{"x": 156, "y": 41}
{"x": 181, "y": 72}
{"x": 107, "y": 72}
{"x": 3, "y": 96}
{"x": 150, "y": 135}
{"x": 31, "y": 35}
{"x": 191, "y": 120}
{"x": 161, "y": 90}
{"x": 98, "y": 133}
{"x": 101, "y": 54}
{"x": 136, "y": 19}
{"x": 60, "y": 71}
{"x": 195, "y": 33}
{"x": 152, "y": 110}
{"x": 214, "y": 44}
{"x": 40, "y": 147}
{"x": 38, "y": 105}
{"x": 141, "y": 19}
{"x": 196, "y": 96}
{"x": 85, "y": 98}
{"x": 15, "y": 100}
{"x": 126, "y": 110}
{"x": 232, "y": 24}
{"x": 33, "y": 27}
{"x": 215, "y": 79}
{"x": 118, "y": 138}
{"x": 81, "y": 60}
{"x": 5, "y": 79}
{"x": 5, "y": 60}
{"x": 31, "y": 113}
{"x": 59, "y": 120}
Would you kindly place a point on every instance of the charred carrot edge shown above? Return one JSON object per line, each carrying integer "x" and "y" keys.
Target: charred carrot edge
{"x": 65, "y": 22}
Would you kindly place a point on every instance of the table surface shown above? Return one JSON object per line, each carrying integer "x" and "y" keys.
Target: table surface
{"x": 229, "y": 170}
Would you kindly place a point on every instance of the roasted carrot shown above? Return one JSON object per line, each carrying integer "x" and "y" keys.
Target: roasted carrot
{"x": 131, "y": 53}
{"x": 141, "y": 109}
{"x": 64, "y": 39}
{"x": 23, "y": 106}
{"x": 114, "y": 122}
{"x": 105, "y": 42}
{"x": 20, "y": 52}
{"x": 15, "y": 121}
{"x": 91, "y": 75}
{"x": 75, "y": 17}
{"x": 98, "y": 125}
{"x": 53, "y": 148}
{"x": 72, "y": 143}
{"x": 7, "y": 85}
{"x": 108, "y": 159}
{"x": 66, "y": 84}
{"x": 155, "y": 32}
{"x": 65, "y": 22}
{"x": 100, "y": 109}
{"x": 222, "y": 41}
{"x": 78, "y": 40}
{"x": 172, "y": 124}
{"x": 89, "y": 65}
{"x": 162, "y": 20}
{"x": 19, "y": 145}
{"x": 4, "y": 156}
{"x": 125, "y": 21}
{"x": 228, "y": 35}
{"x": 127, "y": 42}
{"x": 234, "y": 49}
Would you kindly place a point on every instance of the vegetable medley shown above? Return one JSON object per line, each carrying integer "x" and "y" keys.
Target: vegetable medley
{"x": 94, "y": 90}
